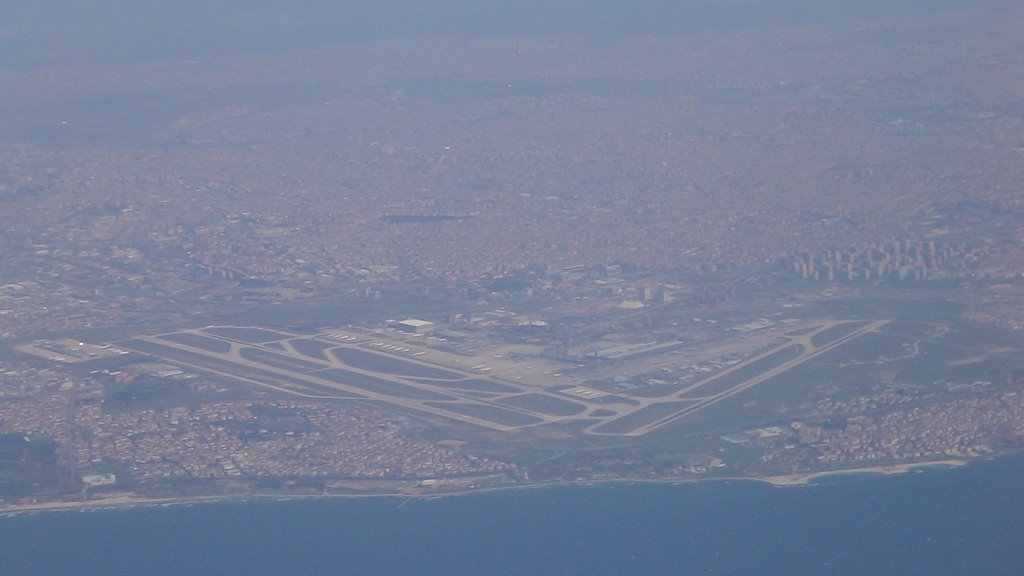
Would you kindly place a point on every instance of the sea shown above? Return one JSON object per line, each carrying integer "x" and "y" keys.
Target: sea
{"x": 959, "y": 521}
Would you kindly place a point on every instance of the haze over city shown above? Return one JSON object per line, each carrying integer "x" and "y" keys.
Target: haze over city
{"x": 275, "y": 250}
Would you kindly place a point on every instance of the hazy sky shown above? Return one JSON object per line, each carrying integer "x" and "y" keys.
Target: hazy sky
{"x": 66, "y": 31}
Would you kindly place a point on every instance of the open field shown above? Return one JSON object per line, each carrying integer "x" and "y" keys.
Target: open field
{"x": 808, "y": 350}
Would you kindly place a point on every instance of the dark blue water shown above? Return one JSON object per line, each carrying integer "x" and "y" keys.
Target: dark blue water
{"x": 963, "y": 522}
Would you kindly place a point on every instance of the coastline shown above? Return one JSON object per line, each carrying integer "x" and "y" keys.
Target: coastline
{"x": 804, "y": 479}
{"x": 779, "y": 481}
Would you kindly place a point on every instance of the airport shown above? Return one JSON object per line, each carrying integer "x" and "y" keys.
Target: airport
{"x": 491, "y": 387}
